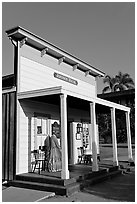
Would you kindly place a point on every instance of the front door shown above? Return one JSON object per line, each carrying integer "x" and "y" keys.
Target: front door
{"x": 43, "y": 129}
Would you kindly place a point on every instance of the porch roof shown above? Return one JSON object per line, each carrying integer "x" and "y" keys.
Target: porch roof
{"x": 59, "y": 90}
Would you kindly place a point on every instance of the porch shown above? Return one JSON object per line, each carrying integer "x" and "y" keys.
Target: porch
{"x": 80, "y": 176}
{"x": 65, "y": 101}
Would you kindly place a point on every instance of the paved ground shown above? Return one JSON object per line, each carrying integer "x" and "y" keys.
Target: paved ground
{"x": 120, "y": 188}
{"x": 14, "y": 194}
{"x": 107, "y": 152}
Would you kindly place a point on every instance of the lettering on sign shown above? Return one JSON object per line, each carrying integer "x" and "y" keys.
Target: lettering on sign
{"x": 65, "y": 78}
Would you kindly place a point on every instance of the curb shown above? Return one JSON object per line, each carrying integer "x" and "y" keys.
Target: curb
{"x": 45, "y": 197}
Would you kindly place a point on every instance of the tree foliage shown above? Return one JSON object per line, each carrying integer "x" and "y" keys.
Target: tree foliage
{"x": 104, "y": 126}
{"x": 120, "y": 82}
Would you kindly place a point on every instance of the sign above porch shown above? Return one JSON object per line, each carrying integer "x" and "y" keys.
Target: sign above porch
{"x": 64, "y": 78}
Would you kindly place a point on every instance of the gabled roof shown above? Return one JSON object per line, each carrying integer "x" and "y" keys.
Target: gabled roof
{"x": 18, "y": 34}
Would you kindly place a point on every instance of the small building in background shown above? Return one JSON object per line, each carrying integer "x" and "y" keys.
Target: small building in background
{"x": 126, "y": 97}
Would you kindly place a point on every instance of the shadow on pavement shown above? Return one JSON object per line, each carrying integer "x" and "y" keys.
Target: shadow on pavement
{"x": 120, "y": 188}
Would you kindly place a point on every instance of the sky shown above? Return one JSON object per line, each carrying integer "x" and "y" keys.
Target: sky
{"x": 99, "y": 33}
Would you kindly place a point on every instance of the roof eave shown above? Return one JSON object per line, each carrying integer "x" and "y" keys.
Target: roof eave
{"x": 18, "y": 33}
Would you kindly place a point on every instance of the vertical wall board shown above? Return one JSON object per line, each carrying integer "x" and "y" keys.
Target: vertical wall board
{"x": 22, "y": 151}
{"x": 8, "y": 136}
{"x": 29, "y": 143}
{"x": 14, "y": 142}
{"x": 11, "y": 135}
{"x": 7, "y": 141}
{"x": 32, "y": 133}
{"x": 35, "y": 133}
{"x": 3, "y": 134}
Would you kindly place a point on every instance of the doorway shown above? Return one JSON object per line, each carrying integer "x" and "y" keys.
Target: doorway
{"x": 78, "y": 139}
{"x": 44, "y": 130}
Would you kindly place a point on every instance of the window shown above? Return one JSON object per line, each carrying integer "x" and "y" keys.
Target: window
{"x": 39, "y": 126}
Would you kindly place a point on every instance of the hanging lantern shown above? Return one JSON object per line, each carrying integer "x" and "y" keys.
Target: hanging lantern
{"x": 79, "y": 128}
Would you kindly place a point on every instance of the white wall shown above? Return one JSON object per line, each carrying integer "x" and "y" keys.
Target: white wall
{"x": 37, "y": 72}
{"x": 75, "y": 143}
{"x": 22, "y": 142}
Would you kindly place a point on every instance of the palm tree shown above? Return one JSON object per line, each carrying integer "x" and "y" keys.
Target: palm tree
{"x": 118, "y": 83}
{"x": 110, "y": 81}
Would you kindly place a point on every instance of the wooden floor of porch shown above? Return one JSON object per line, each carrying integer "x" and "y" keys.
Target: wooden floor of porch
{"x": 78, "y": 170}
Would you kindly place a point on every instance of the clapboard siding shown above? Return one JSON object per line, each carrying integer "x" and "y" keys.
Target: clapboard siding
{"x": 46, "y": 60}
{"x": 35, "y": 76}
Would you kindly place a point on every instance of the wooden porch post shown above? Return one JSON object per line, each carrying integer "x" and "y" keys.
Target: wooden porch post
{"x": 114, "y": 139}
{"x": 65, "y": 171}
{"x": 130, "y": 157}
{"x": 94, "y": 135}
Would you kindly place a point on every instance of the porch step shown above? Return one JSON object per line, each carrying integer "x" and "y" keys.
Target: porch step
{"x": 100, "y": 178}
{"x": 92, "y": 175}
{"x": 61, "y": 186}
{"x": 113, "y": 168}
{"x": 31, "y": 177}
{"x": 58, "y": 189}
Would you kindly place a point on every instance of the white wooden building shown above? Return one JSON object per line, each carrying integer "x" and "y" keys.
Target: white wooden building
{"x": 54, "y": 87}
